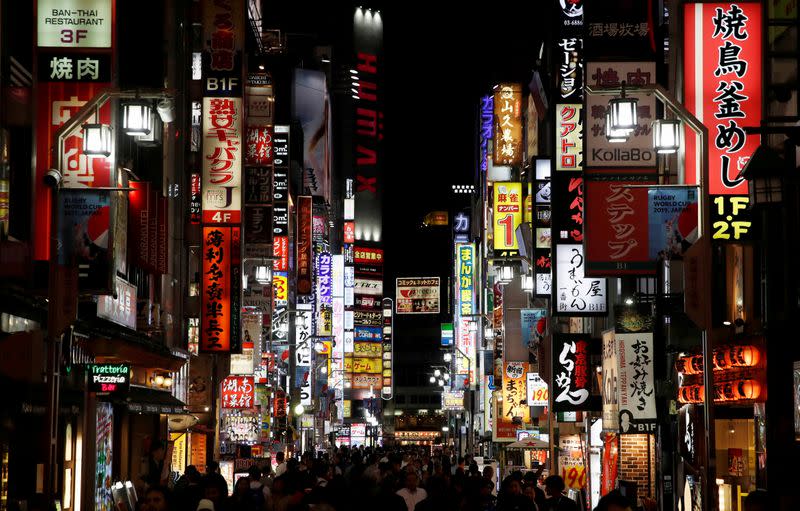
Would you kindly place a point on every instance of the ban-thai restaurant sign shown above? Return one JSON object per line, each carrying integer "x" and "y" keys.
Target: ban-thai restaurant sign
{"x": 513, "y": 410}
{"x": 723, "y": 88}
{"x": 572, "y": 373}
{"x": 508, "y": 124}
{"x": 215, "y": 322}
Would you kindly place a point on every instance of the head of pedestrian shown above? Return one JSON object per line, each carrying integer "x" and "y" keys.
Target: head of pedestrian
{"x": 614, "y": 501}
{"x": 554, "y": 486}
{"x": 411, "y": 481}
{"x": 156, "y": 498}
{"x": 205, "y": 505}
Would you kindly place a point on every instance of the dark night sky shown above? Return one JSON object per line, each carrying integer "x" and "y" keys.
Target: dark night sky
{"x": 439, "y": 62}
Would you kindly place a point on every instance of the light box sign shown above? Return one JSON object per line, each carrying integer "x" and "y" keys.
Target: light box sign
{"x": 324, "y": 296}
{"x": 569, "y": 137}
{"x": 259, "y": 146}
{"x": 571, "y": 373}
{"x": 507, "y": 216}
{"x": 75, "y": 23}
{"x": 465, "y": 260}
{"x": 723, "y": 88}
{"x": 447, "y": 334}
{"x": 238, "y": 392}
{"x": 304, "y": 245}
{"x": 616, "y": 228}
{"x": 513, "y": 411}
{"x": 638, "y": 150}
{"x": 575, "y": 294}
{"x": 122, "y": 309}
{"x": 610, "y": 382}
{"x": 222, "y": 160}
{"x": 215, "y": 329}
{"x": 417, "y": 295}
{"x": 537, "y": 390}
{"x": 453, "y": 400}
{"x": 508, "y": 124}
{"x": 633, "y": 332}
{"x": 105, "y": 378}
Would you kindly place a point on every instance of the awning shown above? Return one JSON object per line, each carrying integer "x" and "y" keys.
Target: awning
{"x": 147, "y": 400}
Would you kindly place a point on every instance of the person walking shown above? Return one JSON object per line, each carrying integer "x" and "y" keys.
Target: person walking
{"x": 410, "y": 492}
{"x": 556, "y": 500}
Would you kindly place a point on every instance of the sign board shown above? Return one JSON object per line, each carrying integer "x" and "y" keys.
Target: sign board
{"x": 109, "y": 377}
{"x": 417, "y": 295}
{"x": 74, "y": 23}
{"x": 122, "y": 309}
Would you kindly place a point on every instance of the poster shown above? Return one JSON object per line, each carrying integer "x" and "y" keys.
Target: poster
{"x": 571, "y": 461}
{"x": 86, "y": 238}
{"x": 534, "y": 327}
{"x": 672, "y": 221}
{"x": 103, "y": 498}
{"x": 417, "y": 295}
{"x": 537, "y": 390}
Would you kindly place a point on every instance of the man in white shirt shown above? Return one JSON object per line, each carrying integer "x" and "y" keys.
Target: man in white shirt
{"x": 410, "y": 493}
{"x": 281, "y": 468}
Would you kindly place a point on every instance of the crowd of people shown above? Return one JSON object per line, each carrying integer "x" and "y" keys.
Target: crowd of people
{"x": 367, "y": 480}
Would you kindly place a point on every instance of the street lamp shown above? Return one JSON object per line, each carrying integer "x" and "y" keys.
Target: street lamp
{"x": 97, "y": 139}
{"x": 614, "y": 136}
{"x": 263, "y": 274}
{"x": 527, "y": 282}
{"x": 623, "y": 112}
{"x": 448, "y": 357}
{"x": 137, "y": 118}
{"x": 666, "y": 136}
{"x": 505, "y": 273}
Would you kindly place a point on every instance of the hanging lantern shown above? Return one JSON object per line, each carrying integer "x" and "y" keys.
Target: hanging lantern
{"x": 743, "y": 356}
{"x": 728, "y": 392}
{"x": 623, "y": 112}
{"x": 748, "y": 389}
{"x": 97, "y": 139}
{"x": 263, "y": 274}
{"x": 137, "y": 118}
{"x": 614, "y": 136}
{"x": 666, "y": 136}
{"x": 527, "y": 283}
{"x": 721, "y": 360}
{"x": 505, "y": 273}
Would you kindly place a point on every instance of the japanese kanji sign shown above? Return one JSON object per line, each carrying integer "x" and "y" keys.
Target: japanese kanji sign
{"x": 222, "y": 160}
{"x": 571, "y": 373}
{"x": 514, "y": 410}
{"x": 486, "y": 131}
{"x": 238, "y": 392}
{"x": 417, "y": 295}
{"x": 576, "y": 294}
{"x": 723, "y": 88}
{"x": 638, "y": 150}
{"x": 74, "y": 67}
{"x": 215, "y": 323}
{"x": 569, "y": 137}
{"x": 303, "y": 352}
{"x": 508, "y": 124}
{"x": 610, "y": 382}
{"x": 304, "y": 246}
{"x": 507, "y": 216}
{"x": 637, "y": 399}
{"x": 465, "y": 261}
{"x": 323, "y": 269}
{"x": 259, "y": 146}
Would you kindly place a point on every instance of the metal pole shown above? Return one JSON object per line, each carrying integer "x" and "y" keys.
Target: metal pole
{"x": 53, "y": 347}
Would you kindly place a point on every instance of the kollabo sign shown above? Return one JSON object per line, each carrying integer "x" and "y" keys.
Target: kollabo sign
{"x": 109, "y": 377}
{"x": 74, "y": 23}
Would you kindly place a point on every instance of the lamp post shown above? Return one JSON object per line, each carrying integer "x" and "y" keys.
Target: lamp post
{"x": 681, "y": 113}
{"x": 62, "y": 281}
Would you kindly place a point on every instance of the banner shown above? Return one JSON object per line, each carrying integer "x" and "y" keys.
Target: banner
{"x": 86, "y": 239}
{"x": 122, "y": 309}
{"x": 534, "y": 327}
{"x": 672, "y": 221}
{"x": 417, "y": 295}
{"x": 453, "y": 400}
{"x": 609, "y": 389}
{"x": 574, "y": 293}
{"x": 567, "y": 210}
{"x": 303, "y": 352}
{"x": 507, "y": 215}
{"x": 722, "y": 47}
{"x": 508, "y": 125}
{"x": 570, "y": 461}
{"x": 215, "y": 329}
{"x": 311, "y": 108}
{"x": 571, "y": 373}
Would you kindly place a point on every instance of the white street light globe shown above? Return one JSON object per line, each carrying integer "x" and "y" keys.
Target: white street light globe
{"x": 299, "y": 409}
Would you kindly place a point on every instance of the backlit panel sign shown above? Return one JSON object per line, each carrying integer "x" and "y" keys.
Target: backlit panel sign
{"x": 238, "y": 392}
{"x": 417, "y": 295}
{"x": 222, "y": 160}
{"x": 569, "y": 137}
{"x": 465, "y": 267}
{"x": 109, "y": 377}
{"x": 576, "y": 294}
{"x": 507, "y": 216}
{"x": 508, "y": 124}
{"x": 215, "y": 321}
{"x": 75, "y": 23}
{"x": 304, "y": 245}
{"x": 723, "y": 88}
